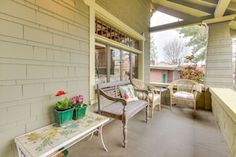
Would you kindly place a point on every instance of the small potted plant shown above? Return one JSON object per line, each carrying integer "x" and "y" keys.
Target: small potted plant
{"x": 63, "y": 110}
{"x": 79, "y": 107}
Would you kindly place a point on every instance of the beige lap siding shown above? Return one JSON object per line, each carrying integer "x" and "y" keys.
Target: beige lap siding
{"x": 43, "y": 48}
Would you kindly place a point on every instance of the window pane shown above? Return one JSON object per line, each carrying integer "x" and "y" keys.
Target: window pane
{"x": 125, "y": 65}
{"x": 115, "y": 70}
{"x": 134, "y": 64}
{"x": 101, "y": 64}
{"x": 234, "y": 61}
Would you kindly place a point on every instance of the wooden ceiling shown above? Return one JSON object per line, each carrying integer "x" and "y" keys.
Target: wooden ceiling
{"x": 195, "y": 12}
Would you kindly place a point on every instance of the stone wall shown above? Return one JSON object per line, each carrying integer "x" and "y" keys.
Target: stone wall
{"x": 136, "y": 14}
{"x": 43, "y": 48}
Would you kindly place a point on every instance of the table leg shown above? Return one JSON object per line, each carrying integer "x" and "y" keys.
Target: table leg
{"x": 20, "y": 153}
{"x": 101, "y": 137}
{"x": 91, "y": 136}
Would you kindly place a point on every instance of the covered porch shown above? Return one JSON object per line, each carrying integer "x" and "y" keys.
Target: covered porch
{"x": 72, "y": 45}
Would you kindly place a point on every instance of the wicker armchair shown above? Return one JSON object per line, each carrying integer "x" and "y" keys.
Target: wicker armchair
{"x": 154, "y": 95}
{"x": 185, "y": 93}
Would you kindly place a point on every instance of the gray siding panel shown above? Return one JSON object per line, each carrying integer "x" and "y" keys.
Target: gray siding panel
{"x": 219, "y": 56}
{"x": 44, "y": 48}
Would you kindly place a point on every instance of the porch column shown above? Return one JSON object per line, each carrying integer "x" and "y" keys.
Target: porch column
{"x": 219, "y": 68}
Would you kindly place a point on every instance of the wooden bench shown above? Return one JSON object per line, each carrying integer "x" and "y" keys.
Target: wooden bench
{"x": 112, "y": 105}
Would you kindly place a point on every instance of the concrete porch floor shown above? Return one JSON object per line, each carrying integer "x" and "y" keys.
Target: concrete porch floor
{"x": 178, "y": 133}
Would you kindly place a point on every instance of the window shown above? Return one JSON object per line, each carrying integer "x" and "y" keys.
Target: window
{"x": 126, "y": 65}
{"x": 115, "y": 70}
{"x": 234, "y": 61}
{"x": 101, "y": 64}
{"x": 112, "y": 64}
{"x": 134, "y": 65}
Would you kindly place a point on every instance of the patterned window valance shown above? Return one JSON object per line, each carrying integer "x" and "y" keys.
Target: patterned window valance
{"x": 107, "y": 31}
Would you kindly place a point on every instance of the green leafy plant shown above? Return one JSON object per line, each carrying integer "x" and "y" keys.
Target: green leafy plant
{"x": 63, "y": 104}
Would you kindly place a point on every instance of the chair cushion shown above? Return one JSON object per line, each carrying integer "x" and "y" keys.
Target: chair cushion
{"x": 127, "y": 92}
{"x": 132, "y": 108}
{"x": 156, "y": 97}
{"x": 183, "y": 95}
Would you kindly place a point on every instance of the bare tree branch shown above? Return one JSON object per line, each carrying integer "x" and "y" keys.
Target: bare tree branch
{"x": 154, "y": 52}
{"x": 174, "y": 51}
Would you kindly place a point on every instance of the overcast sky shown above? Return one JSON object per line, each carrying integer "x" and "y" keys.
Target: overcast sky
{"x": 161, "y": 38}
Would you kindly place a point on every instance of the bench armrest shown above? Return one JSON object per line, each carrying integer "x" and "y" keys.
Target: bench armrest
{"x": 123, "y": 101}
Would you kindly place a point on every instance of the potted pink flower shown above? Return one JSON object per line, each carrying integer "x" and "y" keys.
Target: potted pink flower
{"x": 79, "y": 107}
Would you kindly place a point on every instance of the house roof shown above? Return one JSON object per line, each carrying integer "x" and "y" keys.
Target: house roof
{"x": 165, "y": 67}
{"x": 195, "y": 12}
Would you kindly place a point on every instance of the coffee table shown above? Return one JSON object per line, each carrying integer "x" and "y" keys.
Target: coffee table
{"x": 52, "y": 139}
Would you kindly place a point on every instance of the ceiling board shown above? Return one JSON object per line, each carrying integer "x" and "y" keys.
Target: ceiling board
{"x": 191, "y": 11}
{"x": 181, "y": 8}
{"x": 232, "y": 6}
{"x": 209, "y": 10}
{"x": 202, "y": 3}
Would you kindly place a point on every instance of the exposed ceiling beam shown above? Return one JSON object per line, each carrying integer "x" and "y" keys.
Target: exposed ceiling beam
{"x": 172, "y": 12}
{"x": 212, "y": 1}
{"x": 170, "y": 26}
{"x": 220, "y": 19}
{"x": 207, "y": 20}
{"x": 181, "y": 8}
{"x": 202, "y": 3}
{"x": 232, "y": 6}
{"x": 221, "y": 8}
{"x": 174, "y": 25}
{"x": 209, "y": 10}
{"x": 232, "y": 25}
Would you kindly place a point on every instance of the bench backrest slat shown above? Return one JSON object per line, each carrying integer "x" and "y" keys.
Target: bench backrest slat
{"x": 111, "y": 89}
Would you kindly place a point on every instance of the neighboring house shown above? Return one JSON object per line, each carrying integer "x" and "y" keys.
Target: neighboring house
{"x": 164, "y": 73}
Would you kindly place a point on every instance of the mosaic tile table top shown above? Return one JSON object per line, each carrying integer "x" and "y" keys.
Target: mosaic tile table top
{"x": 46, "y": 140}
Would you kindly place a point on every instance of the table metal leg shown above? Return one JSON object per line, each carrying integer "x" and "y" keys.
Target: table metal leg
{"x": 101, "y": 137}
{"x": 20, "y": 153}
{"x": 91, "y": 136}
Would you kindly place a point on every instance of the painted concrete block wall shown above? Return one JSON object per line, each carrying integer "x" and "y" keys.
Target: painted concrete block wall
{"x": 219, "y": 56}
{"x": 136, "y": 14}
{"x": 43, "y": 48}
